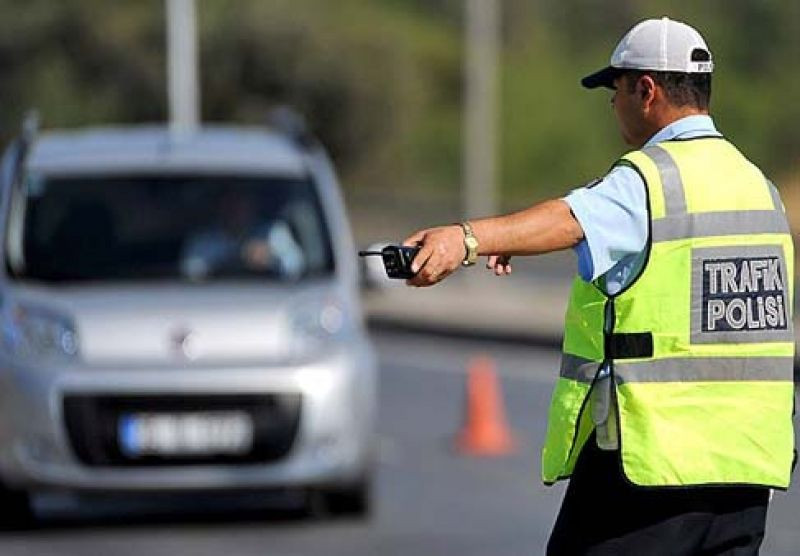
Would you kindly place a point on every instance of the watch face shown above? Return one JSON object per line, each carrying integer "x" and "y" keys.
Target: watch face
{"x": 472, "y": 250}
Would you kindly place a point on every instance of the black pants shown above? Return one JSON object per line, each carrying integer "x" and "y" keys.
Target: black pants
{"x": 605, "y": 515}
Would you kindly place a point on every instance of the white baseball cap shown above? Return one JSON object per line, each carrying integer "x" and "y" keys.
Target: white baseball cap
{"x": 658, "y": 45}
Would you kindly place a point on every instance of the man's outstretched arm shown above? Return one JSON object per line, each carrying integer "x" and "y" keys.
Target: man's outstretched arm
{"x": 542, "y": 228}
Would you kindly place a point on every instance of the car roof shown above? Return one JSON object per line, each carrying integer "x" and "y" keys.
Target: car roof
{"x": 154, "y": 149}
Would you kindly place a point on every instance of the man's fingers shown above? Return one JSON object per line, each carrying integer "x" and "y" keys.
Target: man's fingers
{"x": 414, "y": 239}
{"x": 428, "y": 276}
{"x": 424, "y": 278}
{"x": 502, "y": 270}
{"x": 427, "y": 268}
{"x": 421, "y": 258}
{"x": 500, "y": 264}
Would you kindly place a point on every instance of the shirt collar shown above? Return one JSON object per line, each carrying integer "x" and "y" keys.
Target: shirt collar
{"x": 689, "y": 126}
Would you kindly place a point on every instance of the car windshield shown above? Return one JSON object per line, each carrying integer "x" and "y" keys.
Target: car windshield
{"x": 188, "y": 228}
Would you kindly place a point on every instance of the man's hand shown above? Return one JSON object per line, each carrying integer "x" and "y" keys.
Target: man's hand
{"x": 501, "y": 264}
{"x": 440, "y": 254}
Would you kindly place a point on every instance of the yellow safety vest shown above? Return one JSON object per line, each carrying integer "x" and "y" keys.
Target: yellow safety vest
{"x": 701, "y": 345}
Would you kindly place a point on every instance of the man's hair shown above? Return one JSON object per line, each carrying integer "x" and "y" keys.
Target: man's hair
{"x": 681, "y": 89}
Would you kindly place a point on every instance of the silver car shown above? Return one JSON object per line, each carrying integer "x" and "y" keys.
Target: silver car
{"x": 180, "y": 313}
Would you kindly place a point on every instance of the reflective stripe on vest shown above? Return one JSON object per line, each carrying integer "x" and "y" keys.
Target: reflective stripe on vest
{"x": 678, "y": 224}
{"x": 701, "y": 344}
{"x": 682, "y": 369}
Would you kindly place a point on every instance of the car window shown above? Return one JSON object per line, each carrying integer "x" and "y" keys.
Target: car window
{"x": 191, "y": 228}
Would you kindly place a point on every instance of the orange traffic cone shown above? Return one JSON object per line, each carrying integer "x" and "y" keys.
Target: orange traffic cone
{"x": 485, "y": 431}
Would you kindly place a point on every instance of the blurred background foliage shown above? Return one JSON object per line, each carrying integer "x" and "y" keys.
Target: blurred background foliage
{"x": 380, "y": 80}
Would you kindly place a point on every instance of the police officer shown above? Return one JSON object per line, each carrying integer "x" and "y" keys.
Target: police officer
{"x": 672, "y": 413}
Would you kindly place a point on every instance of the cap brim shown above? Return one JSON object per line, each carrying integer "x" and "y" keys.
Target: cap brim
{"x": 603, "y": 78}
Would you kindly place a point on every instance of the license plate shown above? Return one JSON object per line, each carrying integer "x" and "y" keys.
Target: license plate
{"x": 206, "y": 433}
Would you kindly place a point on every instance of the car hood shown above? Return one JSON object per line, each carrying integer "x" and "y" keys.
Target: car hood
{"x": 197, "y": 325}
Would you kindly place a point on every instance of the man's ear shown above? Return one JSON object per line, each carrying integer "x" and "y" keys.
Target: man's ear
{"x": 646, "y": 88}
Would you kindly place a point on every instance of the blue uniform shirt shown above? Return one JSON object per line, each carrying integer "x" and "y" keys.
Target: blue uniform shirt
{"x": 613, "y": 215}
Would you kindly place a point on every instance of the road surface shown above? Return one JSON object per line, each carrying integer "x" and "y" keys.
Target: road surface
{"x": 429, "y": 499}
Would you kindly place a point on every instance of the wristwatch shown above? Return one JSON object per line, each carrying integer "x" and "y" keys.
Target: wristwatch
{"x": 470, "y": 243}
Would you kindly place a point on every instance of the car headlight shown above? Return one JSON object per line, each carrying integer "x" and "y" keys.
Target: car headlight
{"x": 316, "y": 323}
{"x": 35, "y": 333}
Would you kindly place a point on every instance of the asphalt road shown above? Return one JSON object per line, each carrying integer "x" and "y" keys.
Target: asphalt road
{"x": 429, "y": 499}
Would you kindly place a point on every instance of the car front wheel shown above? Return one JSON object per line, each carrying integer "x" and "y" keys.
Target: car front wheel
{"x": 16, "y": 511}
{"x": 353, "y": 501}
